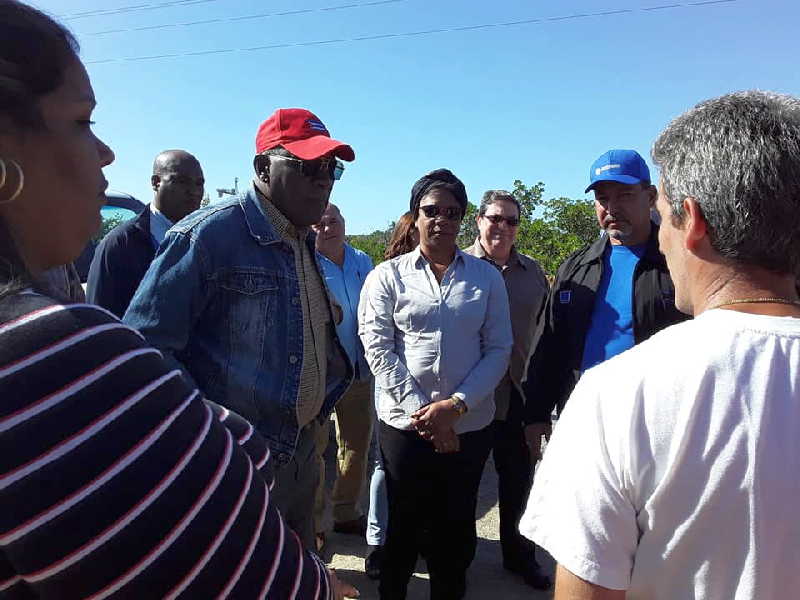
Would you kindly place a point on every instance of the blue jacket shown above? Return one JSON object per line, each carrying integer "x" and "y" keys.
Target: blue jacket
{"x": 221, "y": 299}
{"x": 120, "y": 262}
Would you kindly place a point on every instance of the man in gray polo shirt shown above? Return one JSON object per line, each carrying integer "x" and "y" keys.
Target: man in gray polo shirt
{"x": 498, "y": 224}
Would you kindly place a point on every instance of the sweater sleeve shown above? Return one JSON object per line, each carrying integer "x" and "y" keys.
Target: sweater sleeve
{"x": 117, "y": 479}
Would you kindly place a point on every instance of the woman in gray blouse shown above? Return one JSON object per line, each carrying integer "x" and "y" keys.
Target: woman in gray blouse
{"x": 437, "y": 336}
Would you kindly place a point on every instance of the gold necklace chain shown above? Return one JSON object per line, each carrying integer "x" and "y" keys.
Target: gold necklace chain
{"x": 756, "y": 301}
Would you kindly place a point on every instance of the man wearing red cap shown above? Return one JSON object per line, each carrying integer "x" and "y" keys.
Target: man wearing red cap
{"x": 236, "y": 299}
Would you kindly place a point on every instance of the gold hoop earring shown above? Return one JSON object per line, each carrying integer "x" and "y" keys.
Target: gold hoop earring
{"x": 20, "y": 183}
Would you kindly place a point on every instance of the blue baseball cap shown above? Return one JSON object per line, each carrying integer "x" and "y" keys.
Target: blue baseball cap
{"x": 622, "y": 166}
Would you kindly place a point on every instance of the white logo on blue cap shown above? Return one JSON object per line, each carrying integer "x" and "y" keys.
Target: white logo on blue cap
{"x": 606, "y": 168}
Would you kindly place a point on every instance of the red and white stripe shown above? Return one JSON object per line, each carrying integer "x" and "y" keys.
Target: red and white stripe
{"x": 129, "y": 457}
{"x": 31, "y": 317}
{"x": 132, "y": 514}
{"x": 275, "y": 561}
{"x": 250, "y": 548}
{"x": 74, "y": 441}
{"x": 56, "y": 347}
{"x": 264, "y": 460}
{"x": 247, "y": 434}
{"x": 190, "y": 576}
{"x": 8, "y": 583}
{"x": 76, "y": 386}
{"x": 300, "y": 563}
{"x": 153, "y": 555}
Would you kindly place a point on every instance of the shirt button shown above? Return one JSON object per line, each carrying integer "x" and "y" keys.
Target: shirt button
{"x": 295, "y": 301}
{"x": 292, "y": 359}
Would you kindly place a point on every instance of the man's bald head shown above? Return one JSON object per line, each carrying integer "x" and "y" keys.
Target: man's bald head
{"x": 178, "y": 184}
{"x": 172, "y": 159}
{"x": 332, "y": 210}
{"x": 330, "y": 233}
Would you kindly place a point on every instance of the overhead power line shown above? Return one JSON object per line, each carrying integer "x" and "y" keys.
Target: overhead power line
{"x": 408, "y": 34}
{"x": 104, "y": 12}
{"x": 284, "y": 13}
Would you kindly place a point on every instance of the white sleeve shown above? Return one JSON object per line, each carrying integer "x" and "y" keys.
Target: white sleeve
{"x": 579, "y": 509}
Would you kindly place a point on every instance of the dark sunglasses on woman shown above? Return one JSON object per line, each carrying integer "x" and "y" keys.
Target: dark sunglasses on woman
{"x": 451, "y": 212}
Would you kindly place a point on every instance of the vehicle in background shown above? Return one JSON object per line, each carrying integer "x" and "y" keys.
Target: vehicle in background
{"x": 119, "y": 207}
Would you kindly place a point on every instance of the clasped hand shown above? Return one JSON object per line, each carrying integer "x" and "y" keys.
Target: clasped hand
{"x": 435, "y": 421}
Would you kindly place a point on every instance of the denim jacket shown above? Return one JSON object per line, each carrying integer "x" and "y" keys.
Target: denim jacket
{"x": 221, "y": 298}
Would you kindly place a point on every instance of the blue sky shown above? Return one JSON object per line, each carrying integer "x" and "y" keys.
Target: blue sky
{"x": 537, "y": 102}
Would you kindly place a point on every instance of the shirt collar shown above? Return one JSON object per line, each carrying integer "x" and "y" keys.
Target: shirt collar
{"x": 282, "y": 225}
{"x": 417, "y": 259}
{"x": 160, "y": 216}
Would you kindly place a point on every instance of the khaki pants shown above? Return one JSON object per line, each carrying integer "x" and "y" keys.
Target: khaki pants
{"x": 354, "y": 415}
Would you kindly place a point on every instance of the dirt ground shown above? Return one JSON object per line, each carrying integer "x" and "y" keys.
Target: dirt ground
{"x": 486, "y": 578}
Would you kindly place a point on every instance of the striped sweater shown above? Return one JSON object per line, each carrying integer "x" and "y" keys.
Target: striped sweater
{"x": 119, "y": 481}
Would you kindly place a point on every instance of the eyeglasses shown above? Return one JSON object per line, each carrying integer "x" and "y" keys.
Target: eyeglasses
{"x": 451, "y": 212}
{"x": 312, "y": 168}
{"x": 497, "y": 219}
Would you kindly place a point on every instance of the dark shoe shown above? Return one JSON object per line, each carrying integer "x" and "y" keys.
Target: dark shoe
{"x": 372, "y": 564}
{"x": 532, "y": 575}
{"x": 354, "y": 527}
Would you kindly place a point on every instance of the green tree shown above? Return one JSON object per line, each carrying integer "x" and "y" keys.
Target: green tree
{"x": 550, "y": 230}
{"x": 373, "y": 244}
{"x": 107, "y": 225}
{"x": 469, "y": 228}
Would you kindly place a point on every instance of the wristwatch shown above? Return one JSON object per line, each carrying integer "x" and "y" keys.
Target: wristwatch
{"x": 459, "y": 405}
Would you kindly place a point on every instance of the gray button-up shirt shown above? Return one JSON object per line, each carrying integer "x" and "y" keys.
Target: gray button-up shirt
{"x": 426, "y": 341}
{"x": 527, "y": 289}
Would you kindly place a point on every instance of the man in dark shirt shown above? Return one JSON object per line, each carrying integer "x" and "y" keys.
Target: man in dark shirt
{"x": 498, "y": 225}
{"x": 607, "y": 296}
{"x": 124, "y": 255}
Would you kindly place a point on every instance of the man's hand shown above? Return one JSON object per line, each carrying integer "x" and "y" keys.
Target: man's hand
{"x": 533, "y": 437}
{"x": 341, "y": 589}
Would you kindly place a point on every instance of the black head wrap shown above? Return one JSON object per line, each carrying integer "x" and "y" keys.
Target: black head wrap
{"x": 439, "y": 179}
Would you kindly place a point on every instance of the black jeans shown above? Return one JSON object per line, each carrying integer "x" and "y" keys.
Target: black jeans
{"x": 512, "y": 460}
{"x": 432, "y": 501}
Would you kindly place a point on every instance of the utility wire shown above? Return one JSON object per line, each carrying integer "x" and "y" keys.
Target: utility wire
{"x": 408, "y": 34}
{"x": 284, "y": 13}
{"x": 104, "y": 12}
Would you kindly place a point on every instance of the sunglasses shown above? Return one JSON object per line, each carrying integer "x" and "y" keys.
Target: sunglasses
{"x": 497, "y": 219}
{"x": 312, "y": 168}
{"x": 451, "y": 212}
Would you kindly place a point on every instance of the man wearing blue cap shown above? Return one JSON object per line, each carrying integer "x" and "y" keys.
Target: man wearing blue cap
{"x": 607, "y": 296}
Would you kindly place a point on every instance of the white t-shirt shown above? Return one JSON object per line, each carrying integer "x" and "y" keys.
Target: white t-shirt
{"x": 674, "y": 471}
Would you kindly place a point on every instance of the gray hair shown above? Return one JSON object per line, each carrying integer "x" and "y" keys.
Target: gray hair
{"x": 492, "y": 196}
{"x": 738, "y": 156}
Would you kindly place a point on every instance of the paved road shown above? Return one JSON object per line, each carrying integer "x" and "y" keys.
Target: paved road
{"x": 486, "y": 578}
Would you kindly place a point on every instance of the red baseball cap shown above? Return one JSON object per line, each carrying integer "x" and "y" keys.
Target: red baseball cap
{"x": 302, "y": 133}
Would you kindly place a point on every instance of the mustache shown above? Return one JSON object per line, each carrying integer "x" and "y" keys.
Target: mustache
{"x": 610, "y": 218}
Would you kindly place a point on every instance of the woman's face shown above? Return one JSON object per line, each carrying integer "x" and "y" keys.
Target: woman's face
{"x": 441, "y": 228}
{"x": 59, "y": 207}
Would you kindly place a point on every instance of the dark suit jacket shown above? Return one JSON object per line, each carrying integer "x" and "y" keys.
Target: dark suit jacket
{"x": 120, "y": 262}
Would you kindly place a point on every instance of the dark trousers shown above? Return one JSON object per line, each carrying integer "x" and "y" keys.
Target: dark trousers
{"x": 296, "y": 484}
{"x": 432, "y": 500}
{"x": 512, "y": 460}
